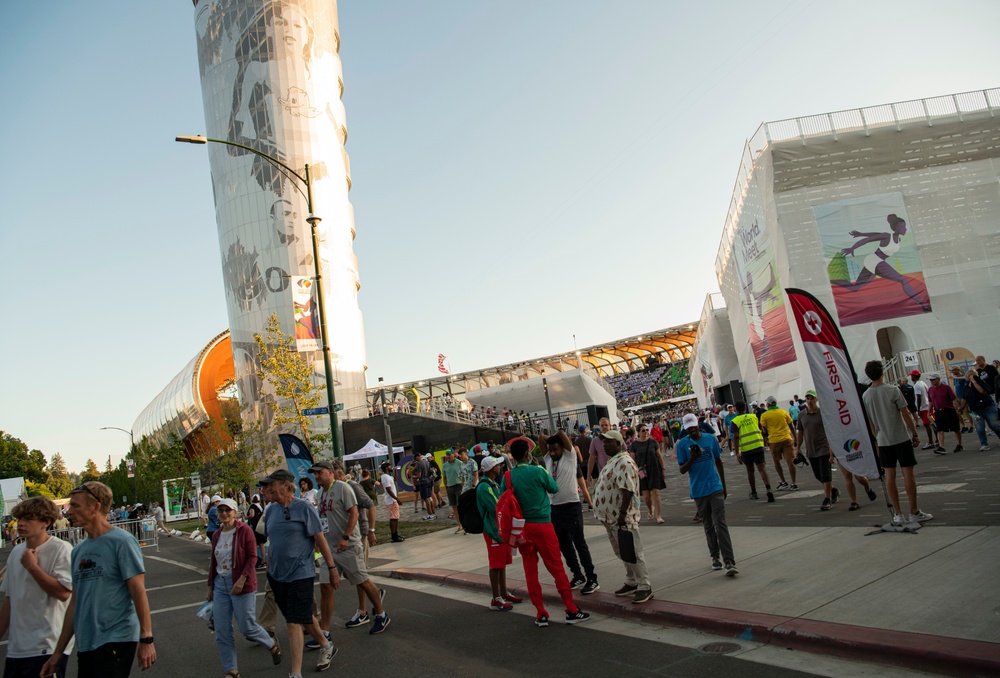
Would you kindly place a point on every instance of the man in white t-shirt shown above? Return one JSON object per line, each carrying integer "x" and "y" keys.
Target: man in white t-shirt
{"x": 204, "y": 502}
{"x": 923, "y": 408}
{"x": 158, "y": 517}
{"x": 390, "y": 499}
{"x": 37, "y": 588}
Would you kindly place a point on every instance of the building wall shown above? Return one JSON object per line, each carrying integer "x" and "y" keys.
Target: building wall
{"x": 272, "y": 80}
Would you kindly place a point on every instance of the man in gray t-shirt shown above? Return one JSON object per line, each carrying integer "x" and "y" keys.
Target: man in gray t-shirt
{"x": 890, "y": 421}
{"x": 422, "y": 476}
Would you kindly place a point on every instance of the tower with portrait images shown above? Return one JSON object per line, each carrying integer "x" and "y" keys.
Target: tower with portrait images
{"x": 272, "y": 80}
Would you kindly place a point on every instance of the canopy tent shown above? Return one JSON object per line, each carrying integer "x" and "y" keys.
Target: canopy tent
{"x": 372, "y": 449}
{"x": 12, "y": 493}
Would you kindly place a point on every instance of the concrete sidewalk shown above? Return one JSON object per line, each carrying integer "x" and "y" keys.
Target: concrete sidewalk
{"x": 930, "y": 601}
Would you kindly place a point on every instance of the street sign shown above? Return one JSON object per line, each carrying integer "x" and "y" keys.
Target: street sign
{"x": 312, "y": 411}
{"x": 338, "y": 407}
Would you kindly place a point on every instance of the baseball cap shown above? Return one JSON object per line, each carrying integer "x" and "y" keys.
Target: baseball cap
{"x": 582, "y": 428}
{"x": 689, "y": 421}
{"x": 277, "y": 475}
{"x": 321, "y": 465}
{"x": 216, "y": 497}
{"x": 753, "y": 403}
{"x": 933, "y": 375}
{"x": 489, "y": 463}
{"x": 613, "y": 435}
{"x": 228, "y": 502}
{"x": 812, "y": 393}
{"x": 915, "y": 373}
{"x": 771, "y": 400}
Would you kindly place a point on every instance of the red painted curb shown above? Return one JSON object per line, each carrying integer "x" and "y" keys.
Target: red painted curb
{"x": 951, "y": 656}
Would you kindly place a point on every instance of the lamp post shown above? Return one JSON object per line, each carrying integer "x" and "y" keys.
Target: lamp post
{"x": 135, "y": 461}
{"x": 548, "y": 405}
{"x": 385, "y": 421}
{"x": 313, "y": 220}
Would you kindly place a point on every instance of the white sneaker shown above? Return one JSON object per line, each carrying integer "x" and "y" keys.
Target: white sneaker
{"x": 920, "y": 517}
{"x": 898, "y": 520}
{"x": 984, "y": 448}
{"x": 326, "y": 655}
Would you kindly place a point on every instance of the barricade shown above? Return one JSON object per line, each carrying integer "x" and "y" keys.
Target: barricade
{"x": 144, "y": 531}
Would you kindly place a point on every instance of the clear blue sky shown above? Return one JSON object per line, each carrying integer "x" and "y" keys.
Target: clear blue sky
{"x": 523, "y": 172}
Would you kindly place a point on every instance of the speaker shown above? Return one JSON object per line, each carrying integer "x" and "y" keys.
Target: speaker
{"x": 592, "y": 415}
{"x": 419, "y": 445}
{"x": 736, "y": 390}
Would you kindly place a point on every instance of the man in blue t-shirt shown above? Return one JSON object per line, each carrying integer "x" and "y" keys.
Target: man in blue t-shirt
{"x": 108, "y": 611}
{"x": 696, "y": 453}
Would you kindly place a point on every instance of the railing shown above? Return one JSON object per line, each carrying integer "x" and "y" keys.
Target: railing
{"x": 144, "y": 531}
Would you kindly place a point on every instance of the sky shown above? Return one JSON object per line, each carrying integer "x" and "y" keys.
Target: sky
{"x": 523, "y": 173}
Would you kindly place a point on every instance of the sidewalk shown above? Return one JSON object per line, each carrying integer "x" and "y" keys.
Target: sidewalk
{"x": 929, "y": 601}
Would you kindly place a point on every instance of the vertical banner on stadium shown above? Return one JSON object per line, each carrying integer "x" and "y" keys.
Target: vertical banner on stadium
{"x": 872, "y": 259}
{"x": 762, "y": 301}
{"x": 298, "y": 458}
{"x": 836, "y": 385}
{"x": 306, "y": 312}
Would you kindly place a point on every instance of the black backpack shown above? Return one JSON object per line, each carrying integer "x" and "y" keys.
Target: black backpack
{"x": 910, "y": 396}
{"x": 468, "y": 512}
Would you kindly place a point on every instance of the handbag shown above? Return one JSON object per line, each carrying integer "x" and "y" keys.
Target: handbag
{"x": 626, "y": 546}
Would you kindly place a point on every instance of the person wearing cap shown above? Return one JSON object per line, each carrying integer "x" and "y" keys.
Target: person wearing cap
{"x": 422, "y": 477}
{"x": 961, "y": 385}
{"x": 810, "y": 432}
{"x": 923, "y": 408}
{"x": 896, "y": 436}
{"x": 598, "y": 457}
{"x": 532, "y": 486}
{"x": 945, "y": 404}
{"x": 700, "y": 457}
{"x": 158, "y": 518}
{"x": 232, "y": 583}
{"x": 978, "y": 397}
{"x": 498, "y": 552}
{"x": 748, "y": 441}
{"x": 451, "y": 468}
{"x": 567, "y": 511}
{"x": 294, "y": 532}
{"x": 779, "y": 434}
{"x": 213, "y": 516}
{"x": 616, "y": 505}
{"x": 390, "y": 500}
{"x": 341, "y": 517}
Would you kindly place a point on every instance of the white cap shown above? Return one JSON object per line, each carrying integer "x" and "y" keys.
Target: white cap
{"x": 216, "y": 497}
{"x": 489, "y": 463}
{"x": 228, "y": 502}
{"x": 689, "y": 420}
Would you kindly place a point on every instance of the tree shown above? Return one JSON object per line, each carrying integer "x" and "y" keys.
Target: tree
{"x": 34, "y": 489}
{"x": 17, "y": 461}
{"x": 287, "y": 378}
{"x": 59, "y": 481}
{"x": 90, "y": 471}
{"x": 240, "y": 468}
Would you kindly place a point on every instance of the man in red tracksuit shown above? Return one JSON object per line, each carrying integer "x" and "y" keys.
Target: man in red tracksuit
{"x": 532, "y": 487}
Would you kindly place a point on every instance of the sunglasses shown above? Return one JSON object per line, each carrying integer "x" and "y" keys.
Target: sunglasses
{"x": 288, "y": 515}
{"x": 86, "y": 489}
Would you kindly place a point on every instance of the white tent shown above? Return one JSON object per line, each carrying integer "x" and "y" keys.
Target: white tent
{"x": 372, "y": 449}
{"x": 14, "y": 492}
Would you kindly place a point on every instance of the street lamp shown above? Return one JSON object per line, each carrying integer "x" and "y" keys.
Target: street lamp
{"x": 385, "y": 421}
{"x": 135, "y": 460}
{"x": 313, "y": 220}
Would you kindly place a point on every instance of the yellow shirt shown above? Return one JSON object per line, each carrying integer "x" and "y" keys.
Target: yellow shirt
{"x": 776, "y": 422}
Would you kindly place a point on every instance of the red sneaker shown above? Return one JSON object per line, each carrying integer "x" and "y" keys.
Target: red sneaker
{"x": 511, "y": 598}
{"x": 500, "y": 605}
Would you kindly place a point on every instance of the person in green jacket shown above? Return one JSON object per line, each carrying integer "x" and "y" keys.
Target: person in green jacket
{"x": 498, "y": 552}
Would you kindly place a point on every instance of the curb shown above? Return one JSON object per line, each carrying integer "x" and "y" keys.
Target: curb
{"x": 919, "y": 651}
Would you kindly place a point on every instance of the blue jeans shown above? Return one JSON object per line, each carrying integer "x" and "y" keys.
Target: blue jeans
{"x": 224, "y": 606}
{"x": 986, "y": 417}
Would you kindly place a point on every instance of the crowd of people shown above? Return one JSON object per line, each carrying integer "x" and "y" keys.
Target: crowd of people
{"x": 650, "y": 385}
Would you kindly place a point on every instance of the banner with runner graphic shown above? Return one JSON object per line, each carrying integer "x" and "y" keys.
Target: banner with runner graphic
{"x": 836, "y": 385}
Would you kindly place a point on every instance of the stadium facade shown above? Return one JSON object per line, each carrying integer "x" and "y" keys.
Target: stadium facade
{"x": 889, "y": 215}
{"x": 272, "y": 80}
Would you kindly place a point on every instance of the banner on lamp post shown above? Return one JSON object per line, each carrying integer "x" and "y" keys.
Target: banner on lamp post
{"x": 836, "y": 385}
{"x": 130, "y": 466}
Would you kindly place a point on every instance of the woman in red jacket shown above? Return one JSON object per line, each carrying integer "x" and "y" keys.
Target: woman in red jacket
{"x": 232, "y": 581}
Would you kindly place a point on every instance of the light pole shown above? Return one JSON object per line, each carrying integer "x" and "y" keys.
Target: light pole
{"x": 313, "y": 220}
{"x": 135, "y": 460}
{"x": 548, "y": 405}
{"x": 385, "y": 422}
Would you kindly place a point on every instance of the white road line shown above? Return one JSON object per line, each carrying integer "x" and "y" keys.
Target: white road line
{"x": 177, "y": 563}
{"x": 203, "y": 582}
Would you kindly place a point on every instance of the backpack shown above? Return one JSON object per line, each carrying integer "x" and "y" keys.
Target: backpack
{"x": 510, "y": 519}
{"x": 254, "y": 514}
{"x": 910, "y": 396}
{"x": 468, "y": 512}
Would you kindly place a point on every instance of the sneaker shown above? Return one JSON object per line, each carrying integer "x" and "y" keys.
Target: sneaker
{"x": 793, "y": 487}
{"x": 826, "y": 506}
{"x": 576, "y": 617}
{"x": 898, "y": 520}
{"x": 577, "y": 583}
{"x": 590, "y": 587}
{"x": 731, "y": 570}
{"x": 871, "y": 494}
{"x": 381, "y": 621}
{"x": 984, "y": 448}
{"x": 511, "y": 598}
{"x": 782, "y": 485}
{"x": 928, "y": 446}
{"x": 940, "y": 450}
{"x": 919, "y": 517}
{"x": 326, "y": 656}
{"x": 416, "y": 510}
{"x": 753, "y": 495}
{"x": 716, "y": 564}
{"x": 396, "y": 539}
{"x": 428, "y": 517}
{"x": 958, "y": 448}
{"x": 834, "y": 496}
{"x": 311, "y": 644}
{"x": 541, "y": 621}
{"x": 626, "y": 590}
{"x": 770, "y": 497}
{"x": 359, "y": 619}
{"x": 854, "y": 506}
{"x": 500, "y": 605}
{"x": 642, "y": 596}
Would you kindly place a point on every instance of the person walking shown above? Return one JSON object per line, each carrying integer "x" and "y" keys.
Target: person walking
{"x": 810, "y": 433}
{"x": 468, "y": 473}
{"x": 779, "y": 434}
{"x": 979, "y": 398}
{"x": 946, "y": 405}
{"x": 158, "y": 517}
{"x": 748, "y": 441}
{"x": 232, "y": 584}
{"x": 498, "y": 552}
{"x": 652, "y": 475}
{"x": 391, "y": 500}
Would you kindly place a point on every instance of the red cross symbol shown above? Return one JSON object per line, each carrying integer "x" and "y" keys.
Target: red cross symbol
{"x": 813, "y": 322}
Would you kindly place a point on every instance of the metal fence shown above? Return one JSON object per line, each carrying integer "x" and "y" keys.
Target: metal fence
{"x": 144, "y": 531}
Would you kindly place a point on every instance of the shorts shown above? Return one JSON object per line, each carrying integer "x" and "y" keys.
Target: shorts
{"x": 753, "y": 457}
{"x": 393, "y": 510}
{"x": 925, "y": 417}
{"x": 425, "y": 489}
{"x": 946, "y": 420}
{"x": 453, "y": 493}
{"x": 294, "y": 599}
{"x": 783, "y": 449}
{"x": 900, "y": 453}
{"x": 499, "y": 555}
{"x": 822, "y": 468}
{"x": 31, "y": 667}
{"x": 350, "y": 564}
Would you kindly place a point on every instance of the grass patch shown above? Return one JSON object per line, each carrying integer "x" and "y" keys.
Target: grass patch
{"x": 409, "y": 529}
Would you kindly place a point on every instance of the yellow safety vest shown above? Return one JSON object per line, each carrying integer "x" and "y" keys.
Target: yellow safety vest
{"x": 750, "y": 437}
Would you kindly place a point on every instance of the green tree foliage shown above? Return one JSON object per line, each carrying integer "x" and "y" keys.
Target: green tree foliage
{"x": 90, "y": 471}
{"x": 251, "y": 458}
{"x": 37, "y": 489}
{"x": 288, "y": 387}
{"x": 59, "y": 481}
{"x": 16, "y": 460}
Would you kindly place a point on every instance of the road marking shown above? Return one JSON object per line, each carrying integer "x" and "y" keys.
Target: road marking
{"x": 941, "y": 487}
{"x": 172, "y": 586}
{"x": 178, "y": 564}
